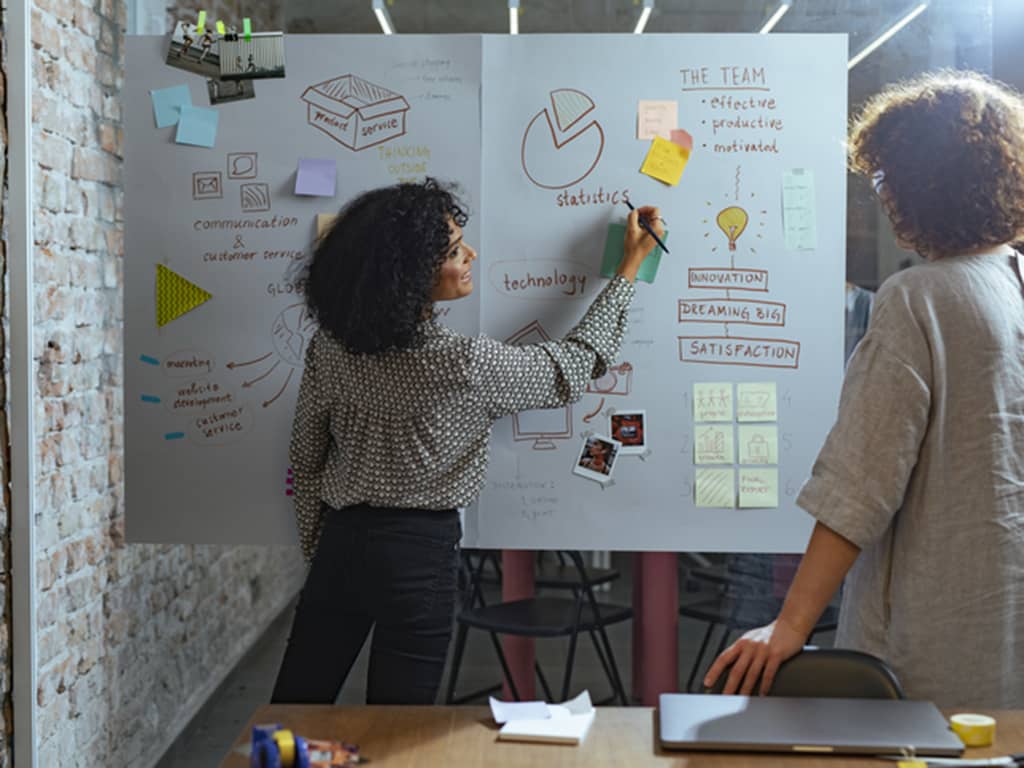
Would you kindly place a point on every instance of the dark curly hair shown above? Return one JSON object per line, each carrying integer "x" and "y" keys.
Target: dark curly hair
{"x": 372, "y": 273}
{"x": 949, "y": 147}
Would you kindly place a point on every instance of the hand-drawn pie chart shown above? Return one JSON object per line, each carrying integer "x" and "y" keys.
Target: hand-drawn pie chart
{"x": 559, "y": 148}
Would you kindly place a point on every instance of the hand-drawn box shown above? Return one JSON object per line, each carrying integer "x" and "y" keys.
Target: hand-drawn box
{"x": 355, "y": 112}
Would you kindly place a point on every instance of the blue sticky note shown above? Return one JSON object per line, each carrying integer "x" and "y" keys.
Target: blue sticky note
{"x": 614, "y": 251}
{"x": 167, "y": 102}
{"x": 316, "y": 177}
{"x": 197, "y": 126}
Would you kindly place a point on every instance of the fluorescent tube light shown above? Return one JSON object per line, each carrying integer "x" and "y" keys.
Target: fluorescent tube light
{"x": 383, "y": 17}
{"x": 779, "y": 13}
{"x": 878, "y": 41}
{"x": 645, "y": 14}
{"x": 513, "y": 17}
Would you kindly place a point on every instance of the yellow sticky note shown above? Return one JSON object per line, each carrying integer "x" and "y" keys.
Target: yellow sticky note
{"x": 759, "y": 488}
{"x": 665, "y": 161}
{"x": 712, "y": 401}
{"x": 911, "y": 764}
{"x": 759, "y": 444}
{"x": 757, "y": 401}
{"x": 712, "y": 444}
{"x": 715, "y": 488}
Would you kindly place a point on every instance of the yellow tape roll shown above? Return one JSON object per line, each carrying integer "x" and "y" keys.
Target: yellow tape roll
{"x": 974, "y": 730}
{"x": 285, "y": 741}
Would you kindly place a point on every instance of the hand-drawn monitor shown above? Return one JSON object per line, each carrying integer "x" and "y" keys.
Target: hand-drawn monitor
{"x": 546, "y": 425}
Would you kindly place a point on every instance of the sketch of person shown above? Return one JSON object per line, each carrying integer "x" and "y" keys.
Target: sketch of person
{"x": 206, "y": 43}
{"x": 252, "y": 65}
{"x": 238, "y": 63}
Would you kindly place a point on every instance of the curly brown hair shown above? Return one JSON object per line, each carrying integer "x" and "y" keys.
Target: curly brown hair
{"x": 947, "y": 149}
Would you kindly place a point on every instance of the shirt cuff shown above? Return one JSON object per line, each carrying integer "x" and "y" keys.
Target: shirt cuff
{"x": 840, "y": 512}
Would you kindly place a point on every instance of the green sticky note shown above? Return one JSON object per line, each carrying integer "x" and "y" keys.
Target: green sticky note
{"x": 759, "y": 444}
{"x": 715, "y": 488}
{"x": 614, "y": 251}
{"x": 712, "y": 444}
{"x": 759, "y": 488}
{"x": 757, "y": 401}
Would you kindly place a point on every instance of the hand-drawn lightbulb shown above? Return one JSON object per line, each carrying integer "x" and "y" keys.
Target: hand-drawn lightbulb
{"x": 732, "y": 221}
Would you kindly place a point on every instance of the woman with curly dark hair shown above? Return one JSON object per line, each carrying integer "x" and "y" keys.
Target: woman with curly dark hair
{"x": 391, "y": 434}
{"x": 920, "y": 485}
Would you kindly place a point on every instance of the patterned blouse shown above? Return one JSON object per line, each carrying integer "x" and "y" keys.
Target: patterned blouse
{"x": 409, "y": 428}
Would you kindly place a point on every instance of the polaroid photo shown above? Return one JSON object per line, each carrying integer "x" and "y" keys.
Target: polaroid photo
{"x": 630, "y": 429}
{"x": 597, "y": 458}
{"x": 221, "y": 91}
{"x": 260, "y": 57}
{"x": 193, "y": 52}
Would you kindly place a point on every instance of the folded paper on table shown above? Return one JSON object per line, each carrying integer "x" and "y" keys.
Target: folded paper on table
{"x": 614, "y": 249}
{"x": 504, "y": 711}
{"x": 565, "y": 723}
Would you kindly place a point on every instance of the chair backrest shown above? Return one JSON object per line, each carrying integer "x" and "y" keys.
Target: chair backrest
{"x": 832, "y": 673}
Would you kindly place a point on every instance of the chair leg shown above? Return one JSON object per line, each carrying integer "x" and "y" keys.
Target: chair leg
{"x": 460, "y": 647}
{"x": 570, "y": 661}
{"x": 615, "y": 678}
{"x": 543, "y": 681}
{"x": 699, "y": 659}
{"x": 504, "y": 666}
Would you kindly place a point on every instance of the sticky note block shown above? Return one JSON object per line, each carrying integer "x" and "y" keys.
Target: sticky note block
{"x": 167, "y": 102}
{"x": 682, "y": 138}
{"x": 665, "y": 161}
{"x": 759, "y": 444}
{"x": 759, "y": 488}
{"x": 614, "y": 250}
{"x": 712, "y": 444}
{"x": 712, "y": 401}
{"x": 715, "y": 488}
{"x": 799, "y": 219}
{"x": 656, "y": 118}
{"x": 756, "y": 401}
{"x": 197, "y": 126}
{"x": 324, "y": 222}
{"x": 316, "y": 177}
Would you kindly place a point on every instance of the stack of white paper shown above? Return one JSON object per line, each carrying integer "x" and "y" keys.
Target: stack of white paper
{"x": 566, "y": 723}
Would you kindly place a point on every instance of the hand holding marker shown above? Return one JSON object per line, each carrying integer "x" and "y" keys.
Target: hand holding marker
{"x": 647, "y": 228}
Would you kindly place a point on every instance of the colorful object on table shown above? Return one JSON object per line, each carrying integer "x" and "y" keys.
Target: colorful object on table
{"x": 316, "y": 176}
{"x": 665, "y": 161}
{"x": 613, "y": 252}
{"x": 167, "y": 104}
{"x": 247, "y": 29}
{"x": 175, "y": 295}
{"x": 201, "y": 23}
{"x": 275, "y": 747}
{"x": 974, "y": 730}
{"x": 197, "y": 126}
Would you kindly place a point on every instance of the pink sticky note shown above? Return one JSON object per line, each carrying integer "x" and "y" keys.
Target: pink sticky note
{"x": 682, "y": 138}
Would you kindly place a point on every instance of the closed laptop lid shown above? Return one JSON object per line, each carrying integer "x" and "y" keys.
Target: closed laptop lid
{"x": 780, "y": 724}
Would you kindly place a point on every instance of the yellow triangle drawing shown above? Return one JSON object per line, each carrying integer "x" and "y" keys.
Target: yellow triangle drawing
{"x": 175, "y": 295}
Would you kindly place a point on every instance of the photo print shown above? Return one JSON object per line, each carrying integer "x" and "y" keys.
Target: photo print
{"x": 194, "y": 52}
{"x": 260, "y": 57}
{"x": 221, "y": 91}
{"x": 630, "y": 429}
{"x": 597, "y": 458}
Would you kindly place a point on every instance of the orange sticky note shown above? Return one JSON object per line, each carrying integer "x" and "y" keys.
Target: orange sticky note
{"x": 665, "y": 161}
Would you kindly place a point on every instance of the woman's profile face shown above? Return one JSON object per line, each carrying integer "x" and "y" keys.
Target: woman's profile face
{"x": 455, "y": 278}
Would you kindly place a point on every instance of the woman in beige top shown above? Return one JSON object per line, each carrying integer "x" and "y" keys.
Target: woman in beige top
{"x": 391, "y": 434}
{"x": 919, "y": 489}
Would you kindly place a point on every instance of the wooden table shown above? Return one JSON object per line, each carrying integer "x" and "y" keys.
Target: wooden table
{"x": 453, "y": 737}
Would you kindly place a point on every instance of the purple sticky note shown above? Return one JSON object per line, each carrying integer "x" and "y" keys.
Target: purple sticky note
{"x": 316, "y": 177}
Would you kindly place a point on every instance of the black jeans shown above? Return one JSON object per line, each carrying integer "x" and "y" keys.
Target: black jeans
{"x": 390, "y": 569}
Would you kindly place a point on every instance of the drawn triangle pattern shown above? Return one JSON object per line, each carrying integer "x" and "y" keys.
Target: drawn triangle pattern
{"x": 175, "y": 295}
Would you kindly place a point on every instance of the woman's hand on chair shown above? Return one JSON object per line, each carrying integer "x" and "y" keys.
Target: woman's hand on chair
{"x": 757, "y": 654}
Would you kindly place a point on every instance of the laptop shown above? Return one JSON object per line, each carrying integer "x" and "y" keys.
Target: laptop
{"x": 808, "y": 725}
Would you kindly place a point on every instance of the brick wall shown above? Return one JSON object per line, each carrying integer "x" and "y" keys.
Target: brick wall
{"x": 129, "y": 637}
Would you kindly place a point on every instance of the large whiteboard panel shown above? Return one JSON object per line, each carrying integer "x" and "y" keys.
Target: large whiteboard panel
{"x": 209, "y": 396}
{"x": 560, "y": 150}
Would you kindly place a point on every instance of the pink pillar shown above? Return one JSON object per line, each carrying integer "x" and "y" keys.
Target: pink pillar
{"x": 655, "y": 625}
{"x": 517, "y": 583}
